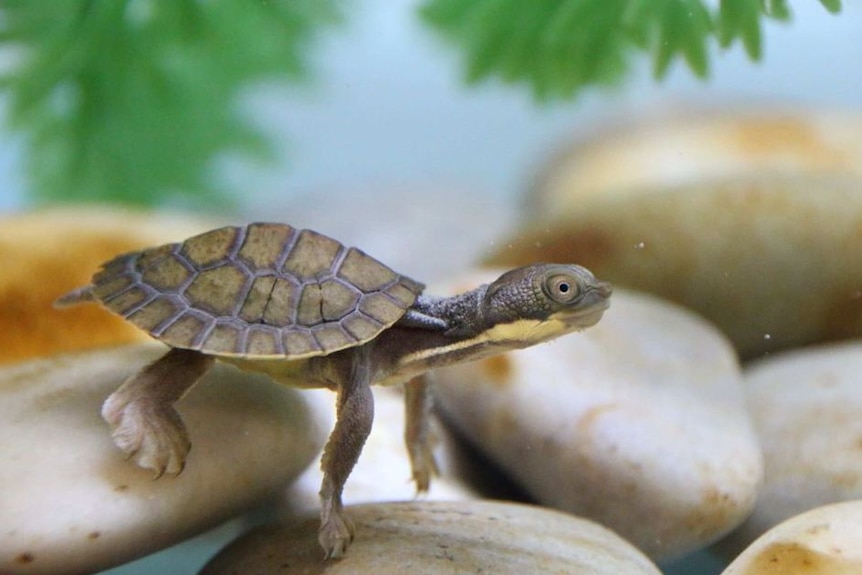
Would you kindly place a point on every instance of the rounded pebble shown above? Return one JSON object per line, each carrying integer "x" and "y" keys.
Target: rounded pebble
{"x": 441, "y": 538}
{"x": 741, "y": 251}
{"x": 822, "y": 541}
{"x": 71, "y": 503}
{"x": 693, "y": 146}
{"x": 637, "y": 423}
{"x": 805, "y": 405}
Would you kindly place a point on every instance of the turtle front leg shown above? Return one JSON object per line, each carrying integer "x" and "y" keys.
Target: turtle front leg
{"x": 354, "y": 417}
{"x": 418, "y": 402}
{"x": 144, "y": 424}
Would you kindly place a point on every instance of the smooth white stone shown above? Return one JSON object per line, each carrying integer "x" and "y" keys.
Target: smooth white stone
{"x": 823, "y": 541}
{"x": 806, "y": 407}
{"x": 692, "y": 146}
{"x": 637, "y": 423}
{"x": 70, "y": 503}
{"x": 441, "y": 538}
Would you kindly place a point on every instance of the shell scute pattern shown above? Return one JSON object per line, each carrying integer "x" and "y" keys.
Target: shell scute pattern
{"x": 262, "y": 290}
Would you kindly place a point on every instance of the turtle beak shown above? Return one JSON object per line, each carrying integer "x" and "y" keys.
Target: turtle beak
{"x": 591, "y": 307}
{"x": 604, "y": 289}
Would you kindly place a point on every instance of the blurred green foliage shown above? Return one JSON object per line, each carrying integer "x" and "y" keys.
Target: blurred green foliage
{"x": 559, "y": 47}
{"x": 131, "y": 100}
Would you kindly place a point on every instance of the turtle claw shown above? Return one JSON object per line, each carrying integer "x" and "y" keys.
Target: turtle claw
{"x": 336, "y": 534}
{"x": 152, "y": 435}
{"x": 424, "y": 465}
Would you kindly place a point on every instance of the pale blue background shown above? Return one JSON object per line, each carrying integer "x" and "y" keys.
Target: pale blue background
{"x": 387, "y": 107}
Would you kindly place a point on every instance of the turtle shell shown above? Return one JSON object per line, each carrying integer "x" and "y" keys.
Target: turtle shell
{"x": 258, "y": 291}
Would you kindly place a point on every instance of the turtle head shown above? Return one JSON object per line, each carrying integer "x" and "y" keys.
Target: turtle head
{"x": 545, "y": 300}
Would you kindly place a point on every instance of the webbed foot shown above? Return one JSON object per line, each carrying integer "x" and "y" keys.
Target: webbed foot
{"x": 153, "y": 436}
{"x": 418, "y": 435}
{"x": 336, "y": 531}
{"x": 144, "y": 424}
{"x": 423, "y": 463}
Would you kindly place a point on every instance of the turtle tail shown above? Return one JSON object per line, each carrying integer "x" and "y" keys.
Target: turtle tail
{"x": 74, "y": 297}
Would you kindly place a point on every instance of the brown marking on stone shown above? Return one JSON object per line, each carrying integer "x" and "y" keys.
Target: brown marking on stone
{"x": 25, "y": 558}
{"x": 498, "y": 369}
{"x": 790, "y": 139}
{"x": 592, "y": 415}
{"x": 590, "y": 246}
{"x": 793, "y": 558}
{"x": 842, "y": 317}
{"x": 93, "y": 535}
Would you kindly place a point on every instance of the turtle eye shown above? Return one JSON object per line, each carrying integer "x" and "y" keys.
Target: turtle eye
{"x": 562, "y": 288}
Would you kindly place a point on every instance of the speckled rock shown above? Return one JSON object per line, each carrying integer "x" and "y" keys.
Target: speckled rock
{"x": 71, "y": 504}
{"x": 740, "y": 218}
{"x": 806, "y": 407}
{"x": 383, "y": 471}
{"x": 637, "y": 423}
{"x": 48, "y": 253}
{"x": 823, "y": 541}
{"x": 441, "y": 538}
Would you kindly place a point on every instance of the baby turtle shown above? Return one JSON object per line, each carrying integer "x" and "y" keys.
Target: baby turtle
{"x": 310, "y": 312}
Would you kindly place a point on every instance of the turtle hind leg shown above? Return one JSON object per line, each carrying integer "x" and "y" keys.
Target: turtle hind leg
{"x": 354, "y": 417}
{"x": 144, "y": 423}
{"x": 417, "y": 431}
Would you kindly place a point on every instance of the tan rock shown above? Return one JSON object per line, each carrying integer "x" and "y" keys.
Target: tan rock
{"x": 441, "y": 538}
{"x": 806, "y": 407}
{"x": 740, "y": 218}
{"x": 690, "y": 148}
{"x": 638, "y": 423}
{"x": 823, "y": 541}
{"x": 48, "y": 253}
{"x": 70, "y": 503}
